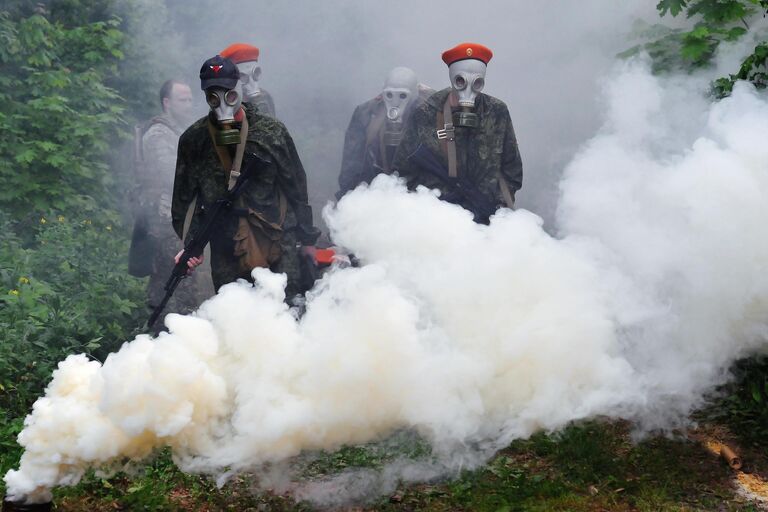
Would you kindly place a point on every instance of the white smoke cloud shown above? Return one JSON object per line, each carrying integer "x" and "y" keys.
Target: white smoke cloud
{"x": 683, "y": 225}
{"x": 469, "y": 335}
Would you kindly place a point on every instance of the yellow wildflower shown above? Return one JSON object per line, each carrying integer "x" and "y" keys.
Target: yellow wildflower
{"x": 61, "y": 218}
{"x": 14, "y": 292}
{"x": 109, "y": 228}
{"x": 88, "y": 221}
{"x": 24, "y": 280}
{"x": 42, "y": 220}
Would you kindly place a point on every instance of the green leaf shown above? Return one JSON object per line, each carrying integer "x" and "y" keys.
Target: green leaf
{"x": 735, "y": 33}
{"x": 719, "y": 12}
{"x": 698, "y": 46}
{"x": 674, "y": 7}
{"x": 700, "y": 32}
{"x": 26, "y": 156}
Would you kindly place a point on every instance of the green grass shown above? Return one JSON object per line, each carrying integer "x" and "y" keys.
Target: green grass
{"x": 588, "y": 467}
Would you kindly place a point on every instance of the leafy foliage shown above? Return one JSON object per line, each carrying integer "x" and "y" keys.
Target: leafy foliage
{"x": 714, "y": 22}
{"x": 753, "y": 69}
{"x": 58, "y": 117}
{"x": 64, "y": 286}
{"x": 58, "y": 297}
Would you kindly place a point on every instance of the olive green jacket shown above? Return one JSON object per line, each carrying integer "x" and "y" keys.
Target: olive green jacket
{"x": 483, "y": 153}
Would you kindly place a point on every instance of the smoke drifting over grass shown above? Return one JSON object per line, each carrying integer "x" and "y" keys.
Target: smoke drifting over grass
{"x": 469, "y": 335}
{"x": 682, "y": 224}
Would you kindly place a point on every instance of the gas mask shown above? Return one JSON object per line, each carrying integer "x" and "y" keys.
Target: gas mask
{"x": 467, "y": 80}
{"x": 250, "y": 73}
{"x": 225, "y": 105}
{"x": 400, "y": 90}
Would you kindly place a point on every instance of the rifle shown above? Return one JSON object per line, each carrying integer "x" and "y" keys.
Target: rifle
{"x": 460, "y": 190}
{"x": 197, "y": 243}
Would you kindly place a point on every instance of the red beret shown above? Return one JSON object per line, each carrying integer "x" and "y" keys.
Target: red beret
{"x": 465, "y": 51}
{"x": 240, "y": 52}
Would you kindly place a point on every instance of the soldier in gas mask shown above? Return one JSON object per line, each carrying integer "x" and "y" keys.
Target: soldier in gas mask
{"x": 376, "y": 129}
{"x": 461, "y": 141}
{"x": 246, "y": 57}
{"x": 271, "y": 219}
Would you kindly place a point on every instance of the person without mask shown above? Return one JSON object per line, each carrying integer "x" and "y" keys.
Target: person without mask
{"x": 271, "y": 217}
{"x": 246, "y": 57}
{"x": 461, "y": 141}
{"x": 154, "y": 243}
{"x": 376, "y": 129}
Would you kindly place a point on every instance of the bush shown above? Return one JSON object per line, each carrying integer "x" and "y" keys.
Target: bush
{"x": 67, "y": 292}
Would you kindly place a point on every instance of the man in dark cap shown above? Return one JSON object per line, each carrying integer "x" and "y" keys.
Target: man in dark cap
{"x": 271, "y": 219}
{"x": 461, "y": 141}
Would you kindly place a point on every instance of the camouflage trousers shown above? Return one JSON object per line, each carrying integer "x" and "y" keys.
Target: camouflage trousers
{"x": 225, "y": 267}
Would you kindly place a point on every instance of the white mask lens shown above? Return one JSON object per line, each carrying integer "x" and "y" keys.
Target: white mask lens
{"x": 478, "y": 84}
{"x": 252, "y": 76}
{"x": 231, "y": 97}
{"x": 459, "y": 82}
{"x": 213, "y": 99}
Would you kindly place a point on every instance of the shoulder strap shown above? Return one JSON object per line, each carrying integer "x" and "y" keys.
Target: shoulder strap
{"x": 509, "y": 199}
{"x": 447, "y": 135}
{"x": 231, "y": 167}
{"x": 188, "y": 218}
{"x": 138, "y": 144}
{"x": 384, "y": 154}
{"x": 375, "y": 126}
{"x": 234, "y": 172}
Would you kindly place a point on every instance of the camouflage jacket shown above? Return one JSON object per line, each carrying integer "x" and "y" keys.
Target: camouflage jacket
{"x": 365, "y": 155}
{"x": 481, "y": 152}
{"x": 159, "y": 146}
{"x": 263, "y": 103}
{"x": 200, "y": 174}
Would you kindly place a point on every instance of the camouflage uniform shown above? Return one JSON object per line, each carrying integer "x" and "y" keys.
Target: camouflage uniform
{"x": 159, "y": 144}
{"x": 481, "y": 152}
{"x": 263, "y": 103}
{"x": 200, "y": 173}
{"x": 365, "y": 154}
